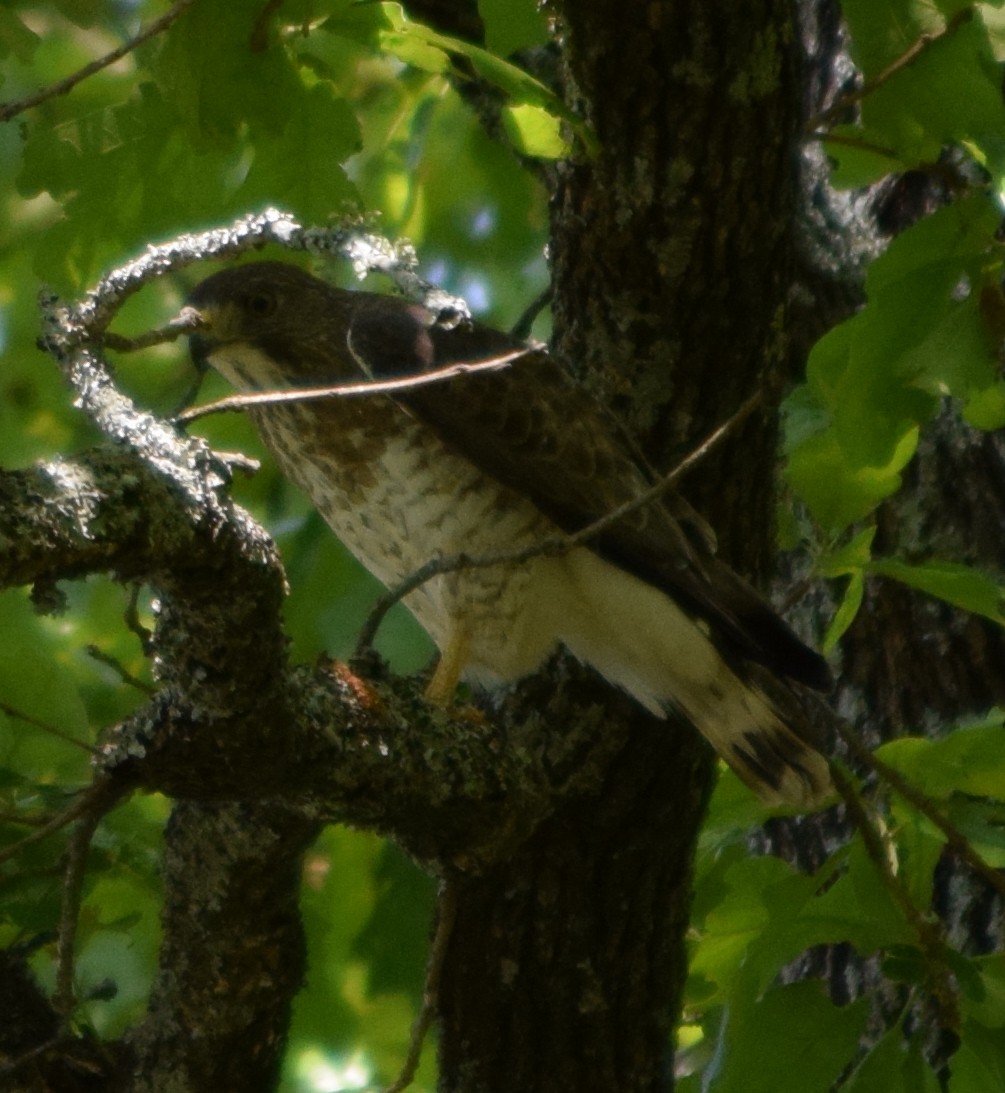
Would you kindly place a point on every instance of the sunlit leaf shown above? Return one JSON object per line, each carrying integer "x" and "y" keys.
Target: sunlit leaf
{"x": 535, "y": 132}
{"x": 957, "y": 584}
{"x": 968, "y": 760}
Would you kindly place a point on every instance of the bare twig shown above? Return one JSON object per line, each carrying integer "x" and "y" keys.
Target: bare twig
{"x": 855, "y": 142}
{"x": 81, "y": 805}
{"x": 133, "y": 623}
{"x": 10, "y": 110}
{"x": 447, "y": 914}
{"x": 14, "y": 817}
{"x": 914, "y": 50}
{"x": 105, "y": 794}
{"x": 187, "y": 321}
{"x": 522, "y": 327}
{"x": 558, "y": 544}
{"x": 20, "y": 715}
{"x": 348, "y": 390}
{"x": 9, "y": 1068}
{"x": 126, "y": 676}
{"x": 259, "y": 39}
{"x": 955, "y": 839}
{"x": 928, "y": 933}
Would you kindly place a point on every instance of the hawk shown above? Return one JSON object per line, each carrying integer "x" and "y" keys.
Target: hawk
{"x": 501, "y": 460}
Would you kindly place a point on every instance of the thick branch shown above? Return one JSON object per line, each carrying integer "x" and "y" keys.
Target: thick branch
{"x": 233, "y": 955}
{"x": 232, "y": 722}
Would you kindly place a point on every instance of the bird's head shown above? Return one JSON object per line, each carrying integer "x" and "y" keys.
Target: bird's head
{"x": 271, "y": 324}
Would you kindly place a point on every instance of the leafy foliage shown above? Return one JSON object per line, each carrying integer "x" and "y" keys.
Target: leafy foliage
{"x": 351, "y": 106}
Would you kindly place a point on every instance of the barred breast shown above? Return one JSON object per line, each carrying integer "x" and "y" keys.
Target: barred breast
{"x": 396, "y": 496}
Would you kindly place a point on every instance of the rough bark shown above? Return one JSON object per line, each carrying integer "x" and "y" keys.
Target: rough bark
{"x": 671, "y": 254}
{"x": 233, "y": 953}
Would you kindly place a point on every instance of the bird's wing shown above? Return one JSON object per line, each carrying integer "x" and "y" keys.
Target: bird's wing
{"x": 530, "y": 427}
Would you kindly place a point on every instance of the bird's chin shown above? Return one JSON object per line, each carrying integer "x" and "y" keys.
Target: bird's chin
{"x": 244, "y": 366}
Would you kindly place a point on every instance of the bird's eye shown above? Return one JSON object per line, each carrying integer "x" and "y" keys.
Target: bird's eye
{"x": 260, "y": 304}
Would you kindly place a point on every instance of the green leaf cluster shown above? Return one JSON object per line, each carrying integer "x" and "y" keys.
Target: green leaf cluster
{"x": 747, "y": 1028}
{"x": 929, "y": 338}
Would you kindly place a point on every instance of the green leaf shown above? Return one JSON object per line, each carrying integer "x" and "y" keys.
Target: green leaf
{"x": 394, "y": 941}
{"x": 16, "y": 39}
{"x": 857, "y": 161}
{"x": 512, "y": 24}
{"x": 837, "y": 491}
{"x": 414, "y": 50}
{"x": 215, "y": 80}
{"x": 856, "y": 908}
{"x": 986, "y": 409}
{"x": 851, "y": 601}
{"x": 36, "y": 683}
{"x": 775, "y": 1044}
{"x": 982, "y": 824}
{"x": 960, "y": 585}
{"x": 919, "y": 848}
{"x": 893, "y": 1065}
{"x": 979, "y": 1064}
{"x": 881, "y": 33}
{"x": 534, "y": 132}
{"x": 400, "y": 37}
{"x": 742, "y": 916}
{"x": 968, "y": 760}
{"x": 850, "y": 558}
{"x": 946, "y": 90}
{"x": 303, "y": 170}
{"x": 955, "y": 357}
{"x": 49, "y": 164}
{"x": 989, "y": 1010}
{"x": 874, "y": 380}
{"x": 84, "y": 13}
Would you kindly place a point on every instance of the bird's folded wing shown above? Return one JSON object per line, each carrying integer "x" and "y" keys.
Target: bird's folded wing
{"x": 530, "y": 427}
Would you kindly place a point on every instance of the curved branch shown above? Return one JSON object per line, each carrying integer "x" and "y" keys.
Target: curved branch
{"x": 10, "y": 110}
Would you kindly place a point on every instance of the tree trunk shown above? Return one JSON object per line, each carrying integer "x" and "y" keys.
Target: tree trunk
{"x": 671, "y": 258}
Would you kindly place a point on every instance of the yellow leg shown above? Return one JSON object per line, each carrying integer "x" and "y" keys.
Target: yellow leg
{"x": 448, "y": 672}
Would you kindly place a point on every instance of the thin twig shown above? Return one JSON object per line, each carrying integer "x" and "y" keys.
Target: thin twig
{"x": 60, "y": 820}
{"x": 131, "y": 618}
{"x": 522, "y": 327}
{"x": 187, "y": 321}
{"x": 126, "y": 676}
{"x": 348, "y": 390}
{"x": 9, "y": 1068}
{"x": 447, "y": 915}
{"x": 106, "y": 794}
{"x": 14, "y": 817}
{"x": 558, "y": 544}
{"x": 914, "y": 50}
{"x": 929, "y": 936}
{"x": 258, "y": 41}
{"x": 955, "y": 839}
{"x": 9, "y": 110}
{"x": 20, "y": 715}
{"x": 855, "y": 142}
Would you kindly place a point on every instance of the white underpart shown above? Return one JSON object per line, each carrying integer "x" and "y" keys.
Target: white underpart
{"x": 512, "y": 617}
{"x": 637, "y": 637}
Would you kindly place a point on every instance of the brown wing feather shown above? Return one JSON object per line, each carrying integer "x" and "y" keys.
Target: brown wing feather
{"x": 530, "y": 427}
